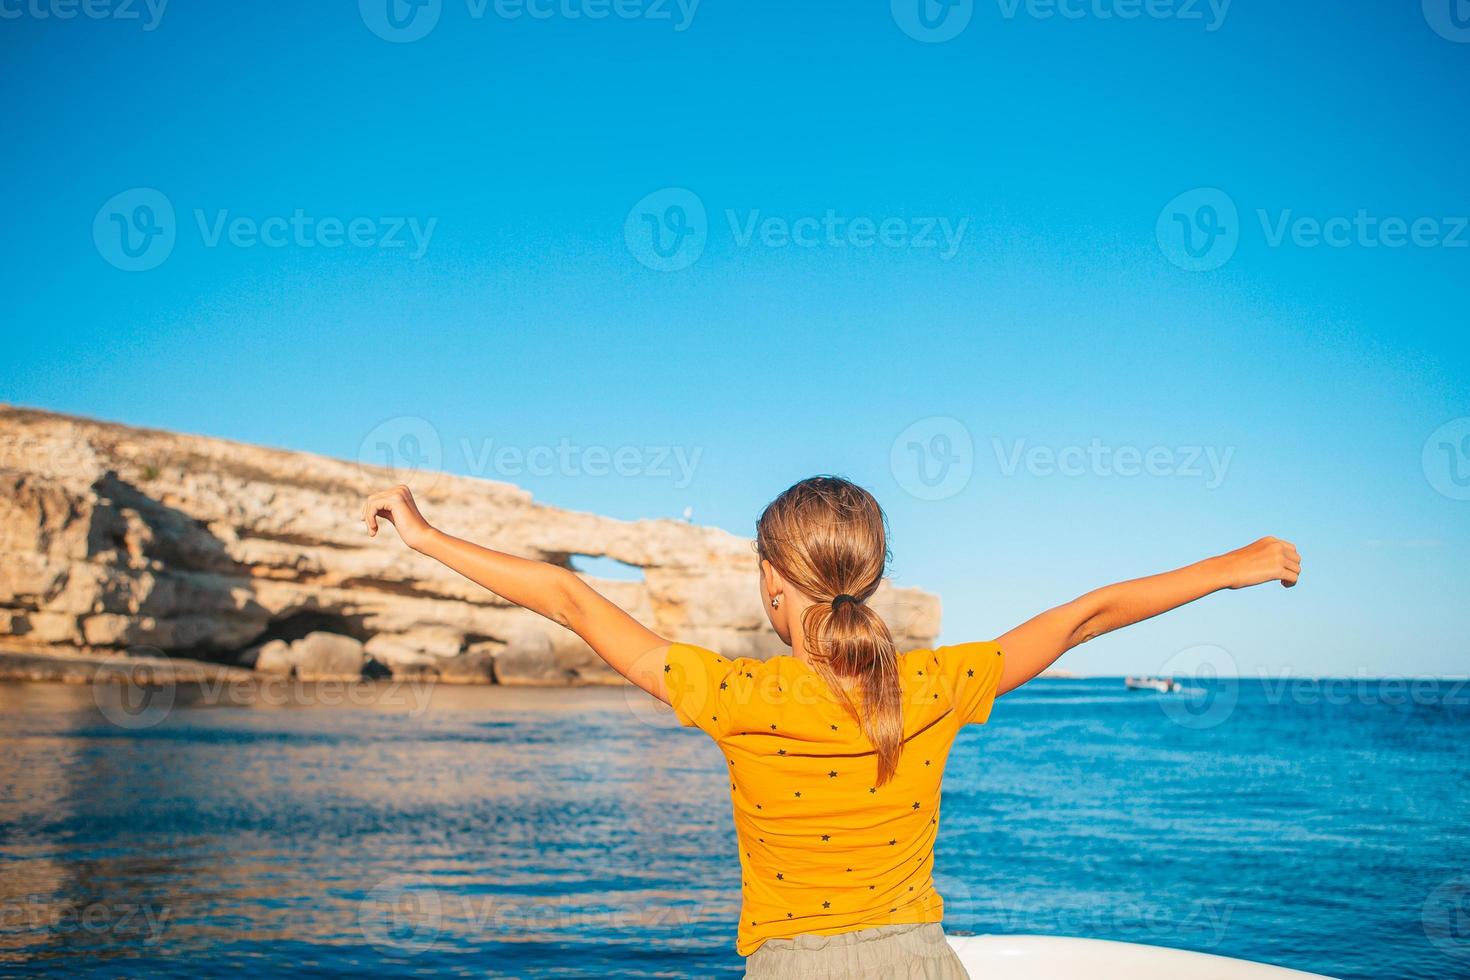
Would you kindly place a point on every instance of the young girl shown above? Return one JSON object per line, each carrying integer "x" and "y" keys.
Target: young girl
{"x": 836, "y": 752}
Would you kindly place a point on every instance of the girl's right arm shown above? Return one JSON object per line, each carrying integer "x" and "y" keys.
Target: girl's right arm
{"x": 1037, "y": 643}
{"x": 557, "y": 593}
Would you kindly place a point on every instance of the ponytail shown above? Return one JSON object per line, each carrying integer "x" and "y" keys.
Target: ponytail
{"x": 826, "y": 537}
{"x": 851, "y": 642}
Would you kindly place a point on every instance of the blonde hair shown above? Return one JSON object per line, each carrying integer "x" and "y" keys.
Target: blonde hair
{"x": 828, "y": 538}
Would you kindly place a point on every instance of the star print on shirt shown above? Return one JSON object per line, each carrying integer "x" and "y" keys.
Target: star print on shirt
{"x": 816, "y": 869}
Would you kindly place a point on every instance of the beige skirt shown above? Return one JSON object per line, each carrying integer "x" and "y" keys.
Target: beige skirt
{"x": 905, "y": 952}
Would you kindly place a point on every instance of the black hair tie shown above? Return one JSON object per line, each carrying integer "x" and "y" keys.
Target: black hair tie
{"x": 838, "y": 600}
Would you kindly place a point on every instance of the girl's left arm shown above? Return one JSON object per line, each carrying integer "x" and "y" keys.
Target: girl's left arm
{"x": 1037, "y": 643}
{"x": 557, "y": 593}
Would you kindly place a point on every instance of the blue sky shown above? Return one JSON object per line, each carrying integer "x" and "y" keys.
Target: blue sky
{"x": 1057, "y": 317}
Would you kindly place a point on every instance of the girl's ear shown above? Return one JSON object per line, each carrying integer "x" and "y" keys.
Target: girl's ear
{"x": 770, "y": 579}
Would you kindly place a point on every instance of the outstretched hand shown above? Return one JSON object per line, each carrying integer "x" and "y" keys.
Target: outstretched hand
{"x": 397, "y": 507}
{"x": 1267, "y": 560}
{"x": 1036, "y": 644}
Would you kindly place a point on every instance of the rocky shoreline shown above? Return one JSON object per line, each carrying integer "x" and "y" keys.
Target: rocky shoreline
{"x": 205, "y": 557}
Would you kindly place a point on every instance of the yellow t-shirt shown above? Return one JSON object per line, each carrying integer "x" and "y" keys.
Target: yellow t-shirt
{"x": 823, "y": 848}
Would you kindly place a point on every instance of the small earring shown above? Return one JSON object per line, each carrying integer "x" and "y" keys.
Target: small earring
{"x": 775, "y": 602}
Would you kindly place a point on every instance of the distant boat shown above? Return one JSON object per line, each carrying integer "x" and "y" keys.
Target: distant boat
{"x": 1164, "y": 685}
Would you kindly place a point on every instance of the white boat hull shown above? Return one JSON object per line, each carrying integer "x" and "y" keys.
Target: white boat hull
{"x": 1061, "y": 958}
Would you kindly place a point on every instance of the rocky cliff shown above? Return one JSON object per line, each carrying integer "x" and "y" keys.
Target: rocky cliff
{"x": 116, "y": 539}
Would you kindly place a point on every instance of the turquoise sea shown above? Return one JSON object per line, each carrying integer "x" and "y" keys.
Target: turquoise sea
{"x": 440, "y": 831}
